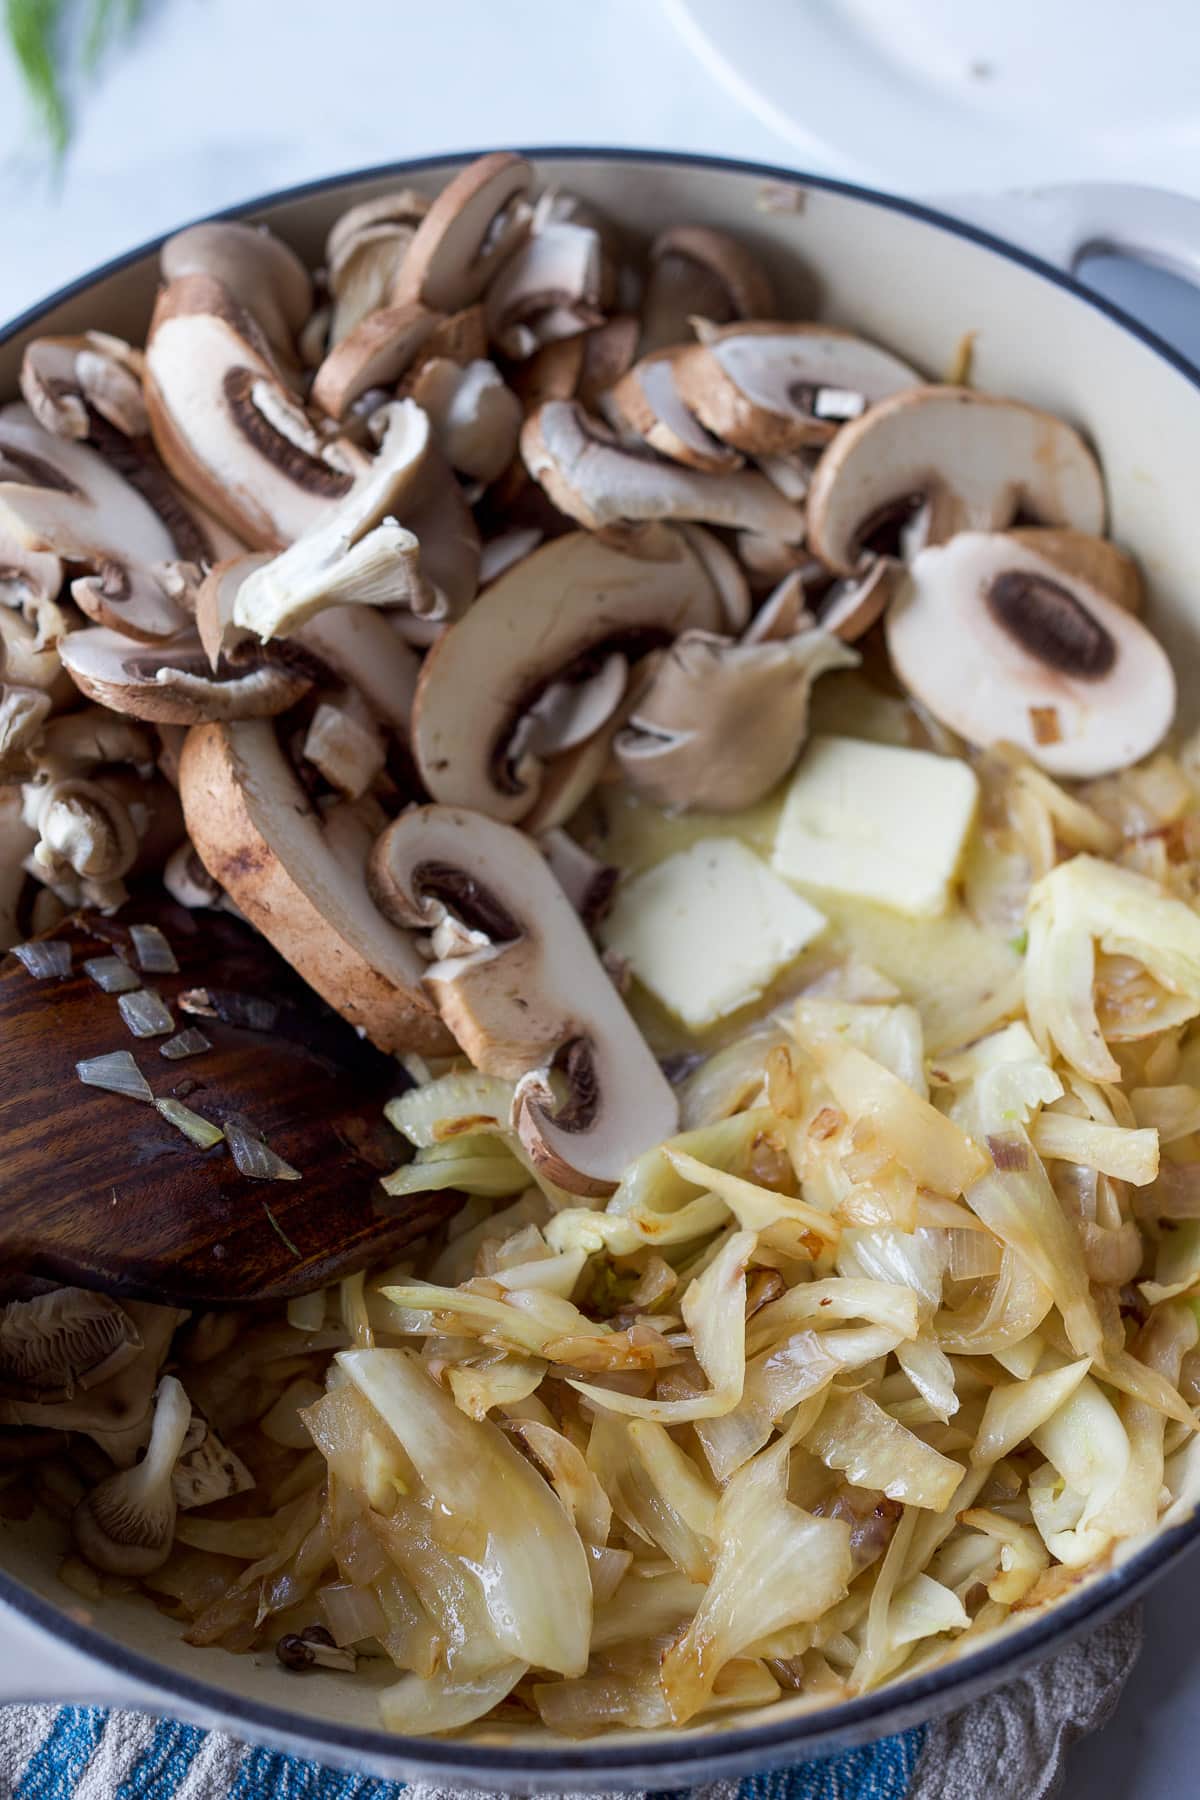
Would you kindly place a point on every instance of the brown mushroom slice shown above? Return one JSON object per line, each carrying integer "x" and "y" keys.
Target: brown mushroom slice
{"x": 588, "y": 883}
{"x": 850, "y": 607}
{"x": 17, "y": 839}
{"x": 602, "y": 484}
{"x": 23, "y": 663}
{"x": 375, "y": 354}
{"x": 23, "y": 715}
{"x": 1096, "y": 560}
{"x": 172, "y": 684}
{"x": 552, "y": 287}
{"x": 30, "y": 583}
{"x": 725, "y": 573}
{"x": 61, "y": 496}
{"x": 500, "y": 553}
{"x": 1001, "y": 645}
{"x": 256, "y": 833}
{"x": 648, "y": 401}
{"x": 358, "y": 555}
{"x": 227, "y": 427}
{"x": 434, "y": 509}
{"x": 783, "y": 614}
{"x": 64, "y": 380}
{"x": 721, "y": 723}
{"x": 696, "y": 270}
{"x": 365, "y": 252}
{"x": 521, "y": 986}
{"x": 573, "y": 599}
{"x": 476, "y": 223}
{"x": 569, "y": 712}
{"x": 474, "y": 414}
{"x": 580, "y": 368}
{"x": 769, "y": 388}
{"x": 262, "y": 273}
{"x": 971, "y": 460}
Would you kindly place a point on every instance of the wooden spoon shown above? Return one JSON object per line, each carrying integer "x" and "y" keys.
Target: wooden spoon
{"x": 101, "y": 1191}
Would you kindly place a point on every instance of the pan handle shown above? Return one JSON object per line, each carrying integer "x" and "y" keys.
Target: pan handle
{"x": 39, "y": 1667}
{"x": 1065, "y": 223}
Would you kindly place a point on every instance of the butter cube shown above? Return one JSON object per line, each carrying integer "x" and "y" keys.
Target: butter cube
{"x": 875, "y": 821}
{"x": 708, "y": 929}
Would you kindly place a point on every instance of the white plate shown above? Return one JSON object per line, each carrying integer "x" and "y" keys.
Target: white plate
{"x": 929, "y": 96}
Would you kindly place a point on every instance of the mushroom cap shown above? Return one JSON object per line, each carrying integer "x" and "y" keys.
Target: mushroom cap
{"x": 173, "y": 684}
{"x": 262, "y": 273}
{"x": 571, "y": 600}
{"x": 257, "y": 835}
{"x": 975, "y": 459}
{"x": 62, "y": 377}
{"x": 374, "y": 354}
{"x": 694, "y": 269}
{"x": 1001, "y": 645}
{"x": 527, "y": 993}
{"x": 224, "y": 423}
{"x": 470, "y": 230}
{"x": 648, "y": 401}
{"x": 720, "y": 723}
{"x": 602, "y": 484}
{"x": 1096, "y": 560}
{"x": 758, "y": 385}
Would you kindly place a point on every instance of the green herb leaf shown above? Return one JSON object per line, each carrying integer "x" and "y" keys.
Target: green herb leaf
{"x": 33, "y": 27}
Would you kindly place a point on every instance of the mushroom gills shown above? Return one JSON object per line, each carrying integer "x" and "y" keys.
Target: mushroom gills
{"x": 63, "y": 1341}
{"x": 525, "y": 993}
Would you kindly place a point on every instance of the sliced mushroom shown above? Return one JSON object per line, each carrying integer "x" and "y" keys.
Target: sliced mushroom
{"x": 594, "y": 479}
{"x": 60, "y": 496}
{"x": 1096, "y": 560}
{"x": 969, "y": 460}
{"x": 95, "y": 831}
{"x": 476, "y": 223}
{"x": 461, "y": 336}
{"x": 188, "y": 881}
{"x": 79, "y": 742}
{"x": 769, "y": 388}
{"x": 725, "y": 573}
{"x": 227, "y": 427}
{"x": 126, "y": 1525}
{"x": 357, "y": 555}
{"x": 263, "y": 842}
{"x": 360, "y": 647}
{"x": 791, "y": 474}
{"x": 17, "y": 840}
{"x": 570, "y": 711}
{"x": 552, "y": 287}
{"x": 695, "y": 270}
{"x": 366, "y": 251}
{"x": 172, "y": 684}
{"x": 849, "y": 608}
{"x": 580, "y": 368}
{"x": 345, "y": 744}
{"x": 23, "y": 662}
{"x": 207, "y": 1469}
{"x": 262, "y": 273}
{"x": 525, "y": 993}
{"x": 721, "y": 723}
{"x": 30, "y": 583}
{"x": 63, "y": 1341}
{"x": 767, "y": 559}
{"x": 23, "y": 715}
{"x": 474, "y": 414}
{"x": 588, "y": 883}
{"x": 1002, "y": 645}
{"x": 648, "y": 402}
{"x": 375, "y": 354}
{"x": 500, "y": 553}
{"x": 434, "y": 509}
{"x": 569, "y": 603}
{"x": 64, "y": 380}
{"x": 783, "y": 614}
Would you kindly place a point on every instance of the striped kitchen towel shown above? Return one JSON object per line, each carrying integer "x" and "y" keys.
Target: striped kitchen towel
{"x": 1010, "y": 1745}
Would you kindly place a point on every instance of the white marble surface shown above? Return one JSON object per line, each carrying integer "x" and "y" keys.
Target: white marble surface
{"x": 218, "y": 100}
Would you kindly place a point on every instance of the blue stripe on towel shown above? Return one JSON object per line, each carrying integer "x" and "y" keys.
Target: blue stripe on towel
{"x": 158, "y": 1772}
{"x": 880, "y": 1771}
{"x": 53, "y": 1770}
{"x": 270, "y": 1775}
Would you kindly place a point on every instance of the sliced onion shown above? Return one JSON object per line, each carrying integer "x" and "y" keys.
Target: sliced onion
{"x": 46, "y": 960}
{"x": 118, "y": 1073}
{"x": 202, "y": 1132}
{"x": 112, "y": 974}
{"x": 146, "y": 1013}
{"x": 253, "y": 1156}
{"x": 185, "y": 1043}
{"x": 352, "y": 1613}
{"x": 152, "y": 950}
{"x": 972, "y": 1253}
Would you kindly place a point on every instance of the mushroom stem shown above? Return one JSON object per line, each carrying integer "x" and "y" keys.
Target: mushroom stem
{"x": 126, "y": 1525}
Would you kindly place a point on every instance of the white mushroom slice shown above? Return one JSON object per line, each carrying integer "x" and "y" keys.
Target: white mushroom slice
{"x": 359, "y": 555}
{"x": 850, "y": 608}
{"x": 975, "y": 461}
{"x": 783, "y": 614}
{"x": 17, "y": 840}
{"x": 188, "y": 881}
{"x": 476, "y": 223}
{"x": 571, "y": 711}
{"x": 346, "y": 746}
{"x": 769, "y": 388}
{"x": 172, "y": 683}
{"x": 588, "y": 883}
{"x": 694, "y": 270}
{"x": 374, "y": 355}
{"x": 726, "y": 575}
{"x": 226, "y": 426}
{"x": 365, "y": 252}
{"x": 552, "y": 287}
{"x": 78, "y": 742}
{"x": 721, "y": 723}
{"x": 572, "y": 599}
{"x": 23, "y": 662}
{"x": 60, "y": 496}
{"x": 1001, "y": 645}
{"x": 262, "y": 273}
{"x": 767, "y": 559}
{"x": 84, "y": 830}
{"x": 525, "y": 993}
{"x": 500, "y": 553}
{"x": 359, "y": 645}
{"x": 1096, "y": 560}
{"x": 474, "y": 414}
{"x": 301, "y": 884}
{"x": 648, "y": 402}
{"x": 594, "y": 479}
{"x": 791, "y": 474}
{"x": 62, "y": 377}
{"x": 23, "y": 714}
{"x": 30, "y": 583}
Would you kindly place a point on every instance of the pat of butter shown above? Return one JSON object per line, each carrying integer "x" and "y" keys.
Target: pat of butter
{"x": 886, "y": 824}
{"x": 708, "y": 929}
